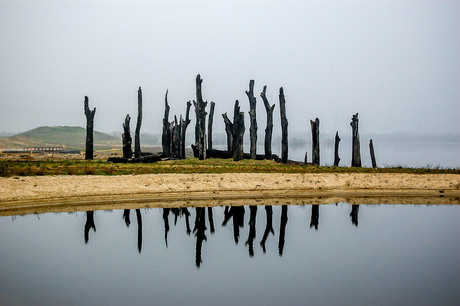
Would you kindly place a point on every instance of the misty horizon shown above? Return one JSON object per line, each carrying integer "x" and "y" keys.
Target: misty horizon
{"x": 394, "y": 63}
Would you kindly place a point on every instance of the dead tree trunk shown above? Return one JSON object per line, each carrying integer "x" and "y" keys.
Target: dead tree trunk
{"x": 356, "y": 151}
{"x": 371, "y": 148}
{"x": 176, "y": 139}
{"x": 238, "y": 133}
{"x": 210, "y": 120}
{"x": 166, "y": 136}
{"x": 127, "y": 140}
{"x": 269, "y": 128}
{"x": 137, "y": 136}
{"x": 336, "y": 150}
{"x": 89, "y": 152}
{"x": 228, "y": 130}
{"x": 184, "y": 126}
{"x": 200, "y": 110}
{"x": 284, "y": 128}
{"x": 253, "y": 120}
{"x": 315, "y": 141}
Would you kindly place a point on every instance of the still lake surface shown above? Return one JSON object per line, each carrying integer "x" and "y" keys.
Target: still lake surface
{"x": 335, "y": 254}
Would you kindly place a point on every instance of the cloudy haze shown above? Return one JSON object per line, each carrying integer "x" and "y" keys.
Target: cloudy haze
{"x": 397, "y": 63}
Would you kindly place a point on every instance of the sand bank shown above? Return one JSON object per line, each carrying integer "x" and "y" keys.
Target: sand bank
{"x": 67, "y": 193}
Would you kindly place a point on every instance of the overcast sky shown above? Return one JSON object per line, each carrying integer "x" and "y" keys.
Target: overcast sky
{"x": 396, "y": 62}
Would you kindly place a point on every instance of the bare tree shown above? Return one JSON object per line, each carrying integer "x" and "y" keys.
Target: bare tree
{"x": 253, "y": 120}
{"x": 371, "y": 148}
{"x": 315, "y": 141}
{"x": 284, "y": 128}
{"x": 336, "y": 150}
{"x": 166, "y": 136}
{"x": 127, "y": 140}
{"x": 210, "y": 120}
{"x": 200, "y": 128}
{"x": 137, "y": 136}
{"x": 89, "y": 152}
{"x": 269, "y": 129}
{"x": 356, "y": 153}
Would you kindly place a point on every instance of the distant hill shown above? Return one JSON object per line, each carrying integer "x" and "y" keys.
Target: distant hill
{"x": 72, "y": 137}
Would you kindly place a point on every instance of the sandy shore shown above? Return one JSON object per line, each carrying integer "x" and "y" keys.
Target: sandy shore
{"x": 159, "y": 190}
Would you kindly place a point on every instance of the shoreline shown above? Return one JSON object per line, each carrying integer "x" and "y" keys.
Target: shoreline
{"x": 61, "y": 193}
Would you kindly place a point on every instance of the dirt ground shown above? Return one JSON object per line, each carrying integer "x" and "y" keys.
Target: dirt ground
{"x": 160, "y": 190}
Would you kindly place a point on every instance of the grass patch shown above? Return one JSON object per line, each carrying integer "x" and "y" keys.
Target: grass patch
{"x": 10, "y": 168}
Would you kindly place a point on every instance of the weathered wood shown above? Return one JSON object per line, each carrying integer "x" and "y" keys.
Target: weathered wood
{"x": 356, "y": 151}
{"x": 176, "y": 139}
{"x": 166, "y": 135}
{"x": 127, "y": 139}
{"x": 284, "y": 128}
{"x": 238, "y": 133}
{"x": 252, "y": 120}
{"x": 184, "y": 129}
{"x": 89, "y": 152}
{"x": 269, "y": 129}
{"x": 210, "y": 121}
{"x": 228, "y": 130}
{"x": 315, "y": 141}
{"x": 200, "y": 111}
{"x": 150, "y": 158}
{"x": 336, "y": 150}
{"x": 137, "y": 136}
{"x": 371, "y": 148}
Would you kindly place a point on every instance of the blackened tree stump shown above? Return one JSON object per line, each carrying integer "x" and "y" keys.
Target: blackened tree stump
{"x": 356, "y": 151}
{"x": 269, "y": 129}
{"x": 89, "y": 152}
{"x": 284, "y": 128}
{"x": 315, "y": 141}
{"x": 126, "y": 138}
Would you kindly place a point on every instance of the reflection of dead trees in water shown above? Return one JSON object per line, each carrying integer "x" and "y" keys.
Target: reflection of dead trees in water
{"x": 139, "y": 229}
{"x": 252, "y": 229}
{"x": 268, "y": 226}
{"x": 166, "y": 223}
{"x": 200, "y": 233}
{"x": 126, "y": 217}
{"x": 89, "y": 224}
{"x": 314, "y": 216}
{"x": 211, "y": 220}
{"x": 284, "y": 219}
{"x": 236, "y": 213}
{"x": 354, "y": 214}
{"x": 126, "y": 213}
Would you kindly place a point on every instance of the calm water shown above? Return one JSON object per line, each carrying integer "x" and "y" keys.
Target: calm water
{"x": 264, "y": 255}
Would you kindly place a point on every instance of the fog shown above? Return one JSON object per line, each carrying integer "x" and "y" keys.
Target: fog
{"x": 397, "y": 63}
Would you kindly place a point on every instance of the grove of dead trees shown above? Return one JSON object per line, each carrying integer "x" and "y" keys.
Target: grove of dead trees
{"x": 173, "y": 137}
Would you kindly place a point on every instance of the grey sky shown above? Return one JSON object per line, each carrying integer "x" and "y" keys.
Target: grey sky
{"x": 397, "y": 62}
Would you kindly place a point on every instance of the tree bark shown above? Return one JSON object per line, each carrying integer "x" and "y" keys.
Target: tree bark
{"x": 315, "y": 141}
{"x": 238, "y": 133}
{"x": 89, "y": 152}
{"x": 336, "y": 150}
{"x": 228, "y": 130}
{"x": 184, "y": 129}
{"x": 269, "y": 129}
{"x": 166, "y": 136}
{"x": 210, "y": 121}
{"x": 253, "y": 120}
{"x": 200, "y": 110}
{"x": 284, "y": 128}
{"x": 127, "y": 140}
{"x": 137, "y": 136}
{"x": 371, "y": 148}
{"x": 356, "y": 153}
{"x": 176, "y": 147}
